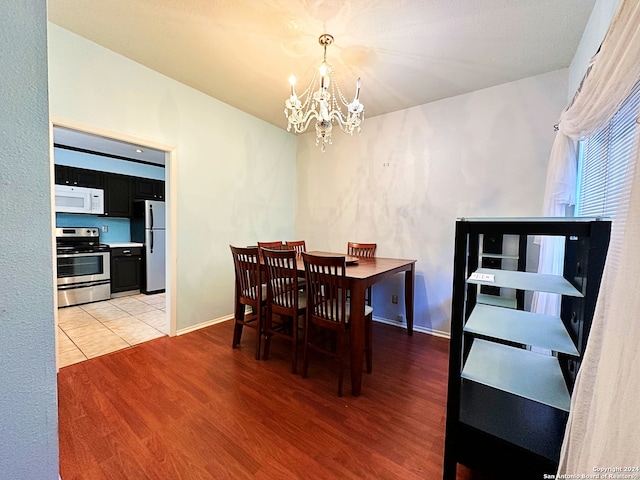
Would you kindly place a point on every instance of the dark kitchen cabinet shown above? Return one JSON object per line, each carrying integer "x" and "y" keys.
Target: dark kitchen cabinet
{"x": 78, "y": 177}
{"x": 118, "y": 195}
{"x": 148, "y": 189}
{"x": 125, "y": 269}
{"x": 512, "y": 371}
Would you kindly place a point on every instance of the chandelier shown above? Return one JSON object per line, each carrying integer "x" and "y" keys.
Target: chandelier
{"x": 323, "y": 105}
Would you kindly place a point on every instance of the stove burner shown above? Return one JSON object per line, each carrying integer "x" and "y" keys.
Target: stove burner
{"x": 72, "y": 240}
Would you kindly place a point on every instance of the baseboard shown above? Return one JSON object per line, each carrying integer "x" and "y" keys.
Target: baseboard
{"x": 416, "y": 328}
{"x": 226, "y": 318}
{"x": 208, "y": 323}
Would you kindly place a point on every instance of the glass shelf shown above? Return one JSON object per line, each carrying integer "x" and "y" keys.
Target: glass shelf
{"x": 496, "y": 300}
{"x": 529, "y": 375}
{"x": 543, "y": 331}
{"x": 535, "y": 282}
{"x": 499, "y": 255}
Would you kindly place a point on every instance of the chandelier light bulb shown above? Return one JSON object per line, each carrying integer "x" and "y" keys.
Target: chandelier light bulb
{"x": 292, "y": 82}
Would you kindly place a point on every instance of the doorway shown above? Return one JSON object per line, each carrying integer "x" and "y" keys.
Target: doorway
{"x": 92, "y": 329}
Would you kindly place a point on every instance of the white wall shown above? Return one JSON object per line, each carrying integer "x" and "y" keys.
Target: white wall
{"x": 597, "y": 26}
{"x": 234, "y": 177}
{"x": 28, "y": 392}
{"x": 480, "y": 154}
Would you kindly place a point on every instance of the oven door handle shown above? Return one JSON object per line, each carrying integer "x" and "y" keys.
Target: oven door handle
{"x": 87, "y": 254}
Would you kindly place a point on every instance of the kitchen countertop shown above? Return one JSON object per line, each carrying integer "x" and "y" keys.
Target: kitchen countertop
{"x": 125, "y": 245}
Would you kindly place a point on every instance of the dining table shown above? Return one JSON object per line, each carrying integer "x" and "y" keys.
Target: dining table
{"x": 361, "y": 273}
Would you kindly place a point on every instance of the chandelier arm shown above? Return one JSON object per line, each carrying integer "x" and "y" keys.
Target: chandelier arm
{"x": 304, "y": 122}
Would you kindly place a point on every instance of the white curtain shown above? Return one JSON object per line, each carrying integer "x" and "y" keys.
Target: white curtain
{"x": 604, "y": 422}
{"x": 560, "y": 192}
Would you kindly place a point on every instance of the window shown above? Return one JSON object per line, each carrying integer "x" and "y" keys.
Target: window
{"x": 604, "y": 160}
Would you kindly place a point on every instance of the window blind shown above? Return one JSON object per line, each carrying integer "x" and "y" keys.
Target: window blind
{"x": 605, "y": 159}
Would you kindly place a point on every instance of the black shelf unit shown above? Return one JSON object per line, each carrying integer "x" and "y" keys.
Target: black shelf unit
{"x": 508, "y": 404}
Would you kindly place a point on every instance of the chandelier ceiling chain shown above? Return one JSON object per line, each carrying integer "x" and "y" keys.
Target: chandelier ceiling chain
{"x": 322, "y": 105}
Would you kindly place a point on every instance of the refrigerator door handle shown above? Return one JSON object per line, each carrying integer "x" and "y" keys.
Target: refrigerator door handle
{"x": 151, "y": 246}
{"x": 151, "y": 215}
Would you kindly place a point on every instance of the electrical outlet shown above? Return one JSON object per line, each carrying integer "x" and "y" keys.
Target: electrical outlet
{"x": 105, "y": 228}
{"x": 400, "y": 318}
{"x": 394, "y": 299}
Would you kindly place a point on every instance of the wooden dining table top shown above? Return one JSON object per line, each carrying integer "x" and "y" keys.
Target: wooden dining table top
{"x": 365, "y": 267}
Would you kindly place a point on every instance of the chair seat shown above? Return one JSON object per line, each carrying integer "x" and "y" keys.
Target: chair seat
{"x": 302, "y": 299}
{"x": 250, "y": 292}
{"x": 334, "y": 308}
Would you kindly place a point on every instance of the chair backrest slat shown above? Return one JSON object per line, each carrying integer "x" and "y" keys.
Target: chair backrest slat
{"x": 277, "y": 245}
{"x": 361, "y": 249}
{"x": 282, "y": 277}
{"x": 298, "y": 245}
{"x": 247, "y": 268}
{"x": 326, "y": 287}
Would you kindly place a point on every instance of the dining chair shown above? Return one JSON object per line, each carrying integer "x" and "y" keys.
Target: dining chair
{"x": 361, "y": 249}
{"x": 286, "y": 303}
{"x": 277, "y": 245}
{"x": 366, "y": 250}
{"x": 249, "y": 290}
{"x": 328, "y": 309}
{"x": 298, "y": 245}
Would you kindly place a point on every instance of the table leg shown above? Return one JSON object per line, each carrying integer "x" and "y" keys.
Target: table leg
{"x": 409, "y": 280}
{"x": 356, "y": 337}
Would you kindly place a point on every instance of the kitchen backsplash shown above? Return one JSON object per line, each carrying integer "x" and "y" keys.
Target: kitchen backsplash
{"x": 118, "y": 229}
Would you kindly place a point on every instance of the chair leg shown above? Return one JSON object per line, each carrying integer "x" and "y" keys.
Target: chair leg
{"x": 305, "y": 358}
{"x": 260, "y": 329}
{"x": 294, "y": 346}
{"x": 340, "y": 353}
{"x": 368, "y": 331}
{"x": 237, "y": 328}
{"x": 267, "y": 336}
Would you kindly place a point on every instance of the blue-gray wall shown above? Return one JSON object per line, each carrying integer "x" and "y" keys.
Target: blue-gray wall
{"x": 28, "y": 394}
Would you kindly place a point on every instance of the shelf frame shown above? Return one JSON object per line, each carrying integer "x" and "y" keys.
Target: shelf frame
{"x": 585, "y": 238}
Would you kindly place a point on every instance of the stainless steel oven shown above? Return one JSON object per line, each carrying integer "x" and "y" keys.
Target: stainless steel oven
{"x": 83, "y": 266}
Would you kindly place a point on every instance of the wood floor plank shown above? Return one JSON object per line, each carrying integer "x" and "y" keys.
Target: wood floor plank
{"x": 191, "y": 408}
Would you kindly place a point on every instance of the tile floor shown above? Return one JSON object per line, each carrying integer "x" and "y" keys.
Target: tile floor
{"x": 94, "y": 329}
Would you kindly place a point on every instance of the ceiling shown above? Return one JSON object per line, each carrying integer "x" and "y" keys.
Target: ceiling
{"x": 96, "y": 143}
{"x": 408, "y": 52}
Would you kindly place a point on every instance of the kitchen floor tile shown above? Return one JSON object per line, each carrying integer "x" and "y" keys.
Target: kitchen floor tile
{"x": 64, "y": 343}
{"x": 81, "y": 319}
{"x": 98, "y": 328}
{"x": 134, "y": 334}
{"x": 96, "y": 345}
{"x": 95, "y": 328}
{"x": 156, "y": 318}
{"x": 157, "y": 300}
{"x": 112, "y": 313}
{"x": 136, "y": 308}
{"x": 70, "y": 357}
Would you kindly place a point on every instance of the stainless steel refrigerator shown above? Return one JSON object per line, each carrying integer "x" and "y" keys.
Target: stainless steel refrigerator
{"x": 148, "y": 227}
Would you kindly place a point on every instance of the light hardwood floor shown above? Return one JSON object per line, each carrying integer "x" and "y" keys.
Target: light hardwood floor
{"x": 94, "y": 329}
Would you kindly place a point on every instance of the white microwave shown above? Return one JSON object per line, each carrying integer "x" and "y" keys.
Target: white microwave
{"x": 79, "y": 200}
